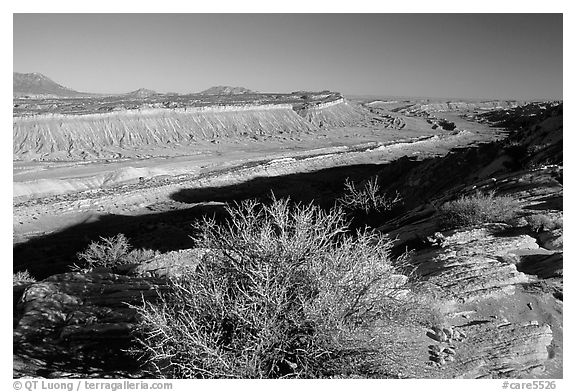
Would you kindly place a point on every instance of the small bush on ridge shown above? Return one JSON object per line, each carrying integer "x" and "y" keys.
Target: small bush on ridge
{"x": 542, "y": 222}
{"x": 477, "y": 209}
{"x": 22, "y": 277}
{"x": 110, "y": 253}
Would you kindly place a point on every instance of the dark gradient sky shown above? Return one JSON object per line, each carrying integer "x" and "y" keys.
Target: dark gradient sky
{"x": 435, "y": 55}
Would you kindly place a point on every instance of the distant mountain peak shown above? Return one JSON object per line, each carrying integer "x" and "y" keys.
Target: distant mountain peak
{"x": 36, "y": 75}
{"x": 35, "y": 84}
{"x": 142, "y": 93}
{"x": 226, "y": 90}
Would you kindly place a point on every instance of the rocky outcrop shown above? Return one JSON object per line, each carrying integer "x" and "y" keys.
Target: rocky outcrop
{"x": 501, "y": 284}
{"x": 504, "y": 350}
{"x": 336, "y": 113}
{"x": 490, "y": 349}
{"x": 434, "y": 107}
{"x": 79, "y": 323}
{"x": 473, "y": 264}
{"x": 171, "y": 265}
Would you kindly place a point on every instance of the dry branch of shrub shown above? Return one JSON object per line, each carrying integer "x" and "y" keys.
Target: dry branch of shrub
{"x": 367, "y": 198}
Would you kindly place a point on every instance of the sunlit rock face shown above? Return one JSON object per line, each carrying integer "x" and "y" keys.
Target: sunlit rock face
{"x": 109, "y": 135}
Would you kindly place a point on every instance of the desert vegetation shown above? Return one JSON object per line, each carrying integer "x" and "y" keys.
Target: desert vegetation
{"x": 22, "y": 277}
{"x": 543, "y": 222}
{"x": 285, "y": 291}
{"x": 478, "y": 208}
{"x": 110, "y": 253}
{"x": 367, "y": 197}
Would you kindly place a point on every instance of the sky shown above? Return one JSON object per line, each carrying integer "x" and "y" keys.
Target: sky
{"x": 500, "y": 56}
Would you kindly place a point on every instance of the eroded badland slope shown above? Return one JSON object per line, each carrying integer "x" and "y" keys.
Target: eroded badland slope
{"x": 498, "y": 286}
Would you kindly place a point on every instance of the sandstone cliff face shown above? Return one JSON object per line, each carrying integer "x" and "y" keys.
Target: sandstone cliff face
{"x": 433, "y": 107}
{"x": 138, "y": 132}
{"x": 112, "y": 135}
{"x": 337, "y": 113}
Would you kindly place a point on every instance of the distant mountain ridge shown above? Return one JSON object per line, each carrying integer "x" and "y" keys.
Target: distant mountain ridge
{"x": 38, "y": 85}
{"x": 226, "y": 90}
{"x": 141, "y": 93}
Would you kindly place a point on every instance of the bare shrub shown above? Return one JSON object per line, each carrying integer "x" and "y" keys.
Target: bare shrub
{"x": 367, "y": 198}
{"x": 542, "y": 222}
{"x": 477, "y": 209}
{"x": 22, "y": 277}
{"x": 284, "y": 290}
{"x": 111, "y": 253}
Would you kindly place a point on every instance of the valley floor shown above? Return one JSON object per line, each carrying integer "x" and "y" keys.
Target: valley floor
{"x": 49, "y": 196}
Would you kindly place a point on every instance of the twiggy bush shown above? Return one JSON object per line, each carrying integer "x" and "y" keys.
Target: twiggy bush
{"x": 284, "y": 289}
{"x": 111, "y": 253}
{"x": 367, "y": 198}
{"x": 477, "y": 209}
{"x": 22, "y": 277}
